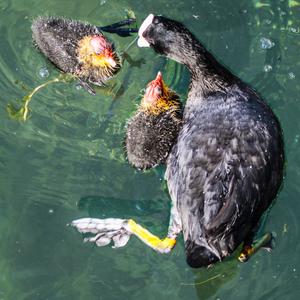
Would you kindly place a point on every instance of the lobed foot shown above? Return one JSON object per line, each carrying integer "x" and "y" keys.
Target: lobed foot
{"x": 119, "y": 231}
{"x": 105, "y": 230}
{"x": 264, "y": 242}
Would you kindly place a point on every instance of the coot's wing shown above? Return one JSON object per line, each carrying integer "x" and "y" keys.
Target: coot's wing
{"x": 246, "y": 179}
{"x": 223, "y": 173}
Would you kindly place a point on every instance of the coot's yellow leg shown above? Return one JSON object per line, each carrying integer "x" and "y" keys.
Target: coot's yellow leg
{"x": 119, "y": 231}
{"x": 161, "y": 245}
{"x": 250, "y": 250}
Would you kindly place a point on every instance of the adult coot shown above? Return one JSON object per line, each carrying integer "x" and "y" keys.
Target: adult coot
{"x": 227, "y": 165}
{"x": 153, "y": 129}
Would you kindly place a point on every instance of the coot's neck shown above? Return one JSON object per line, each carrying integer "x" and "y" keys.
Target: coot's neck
{"x": 207, "y": 75}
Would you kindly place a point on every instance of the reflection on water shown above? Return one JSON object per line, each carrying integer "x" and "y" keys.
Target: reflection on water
{"x": 67, "y": 160}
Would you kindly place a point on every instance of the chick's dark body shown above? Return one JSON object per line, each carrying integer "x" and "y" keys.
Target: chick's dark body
{"x": 150, "y": 137}
{"x": 58, "y": 39}
{"x": 224, "y": 171}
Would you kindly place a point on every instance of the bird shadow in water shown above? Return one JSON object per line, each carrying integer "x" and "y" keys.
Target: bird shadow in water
{"x": 105, "y": 207}
{"x": 207, "y": 282}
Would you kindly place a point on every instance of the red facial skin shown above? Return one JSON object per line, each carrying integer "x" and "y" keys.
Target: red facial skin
{"x": 102, "y": 48}
{"x": 99, "y": 44}
{"x": 154, "y": 90}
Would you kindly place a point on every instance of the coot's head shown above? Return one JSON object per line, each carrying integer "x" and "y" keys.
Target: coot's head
{"x": 95, "y": 52}
{"x": 165, "y": 36}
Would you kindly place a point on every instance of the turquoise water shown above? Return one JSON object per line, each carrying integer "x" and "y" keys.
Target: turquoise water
{"x": 67, "y": 160}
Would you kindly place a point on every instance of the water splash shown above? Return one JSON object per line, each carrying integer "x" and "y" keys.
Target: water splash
{"x": 44, "y": 72}
{"x": 266, "y": 43}
{"x": 292, "y": 75}
{"x": 268, "y": 68}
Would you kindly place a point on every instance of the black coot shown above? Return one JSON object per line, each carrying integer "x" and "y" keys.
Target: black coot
{"x": 227, "y": 165}
{"x": 152, "y": 131}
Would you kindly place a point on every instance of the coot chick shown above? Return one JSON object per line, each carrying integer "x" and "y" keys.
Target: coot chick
{"x": 77, "y": 48}
{"x": 226, "y": 167}
{"x": 152, "y": 131}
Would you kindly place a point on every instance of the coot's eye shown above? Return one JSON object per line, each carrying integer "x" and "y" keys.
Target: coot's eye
{"x": 155, "y": 21}
{"x": 158, "y": 90}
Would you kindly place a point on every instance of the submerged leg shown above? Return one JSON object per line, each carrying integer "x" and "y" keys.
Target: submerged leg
{"x": 115, "y": 27}
{"x": 253, "y": 244}
{"x": 250, "y": 249}
{"x": 120, "y": 230}
{"x": 125, "y": 22}
{"x": 87, "y": 87}
{"x": 123, "y": 32}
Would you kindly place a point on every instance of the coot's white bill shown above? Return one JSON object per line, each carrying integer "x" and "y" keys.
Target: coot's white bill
{"x": 142, "y": 42}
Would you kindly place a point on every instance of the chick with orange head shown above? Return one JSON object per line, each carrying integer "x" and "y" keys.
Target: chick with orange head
{"x": 152, "y": 131}
{"x": 77, "y": 48}
{"x": 80, "y": 50}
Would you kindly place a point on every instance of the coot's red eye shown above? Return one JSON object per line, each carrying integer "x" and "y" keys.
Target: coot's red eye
{"x": 155, "y": 21}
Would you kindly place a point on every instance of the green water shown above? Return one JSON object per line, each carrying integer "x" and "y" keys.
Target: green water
{"x": 67, "y": 160}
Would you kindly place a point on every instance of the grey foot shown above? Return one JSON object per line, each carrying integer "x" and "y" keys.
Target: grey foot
{"x": 105, "y": 230}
